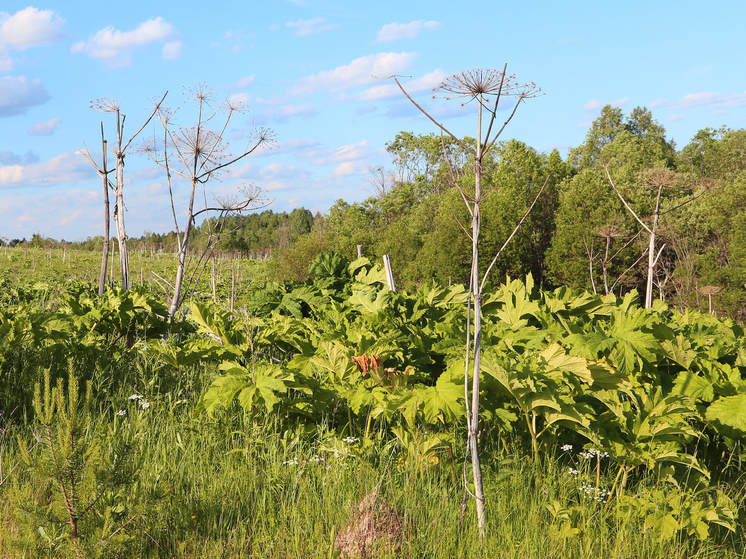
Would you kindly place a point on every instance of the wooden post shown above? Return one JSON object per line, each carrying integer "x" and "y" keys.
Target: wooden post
{"x": 359, "y": 251}
{"x": 389, "y": 272}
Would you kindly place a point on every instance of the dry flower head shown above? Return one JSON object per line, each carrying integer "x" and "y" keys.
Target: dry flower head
{"x": 485, "y": 81}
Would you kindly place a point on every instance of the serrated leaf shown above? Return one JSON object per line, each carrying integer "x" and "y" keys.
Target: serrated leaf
{"x": 693, "y": 386}
{"x": 728, "y": 415}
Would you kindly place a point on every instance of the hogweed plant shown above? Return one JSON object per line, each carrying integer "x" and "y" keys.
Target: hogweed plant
{"x": 197, "y": 154}
{"x": 486, "y": 87}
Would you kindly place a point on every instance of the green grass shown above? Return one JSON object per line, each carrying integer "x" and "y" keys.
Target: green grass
{"x": 241, "y": 486}
{"x": 51, "y": 269}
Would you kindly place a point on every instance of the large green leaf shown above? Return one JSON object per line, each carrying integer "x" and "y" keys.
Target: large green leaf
{"x": 728, "y": 415}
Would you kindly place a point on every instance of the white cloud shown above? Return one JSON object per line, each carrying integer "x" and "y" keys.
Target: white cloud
{"x": 401, "y": 31}
{"x": 10, "y": 158}
{"x": 706, "y": 98}
{"x": 245, "y": 82}
{"x": 6, "y": 62}
{"x": 360, "y": 71}
{"x": 69, "y": 219}
{"x": 426, "y": 83}
{"x": 595, "y": 104}
{"x": 66, "y": 167}
{"x": 172, "y": 50}
{"x": 281, "y": 113}
{"x": 350, "y": 168}
{"x": 18, "y": 94}
{"x": 240, "y": 98}
{"x": 349, "y": 152}
{"x": 29, "y": 28}
{"x": 675, "y": 117}
{"x": 45, "y": 128}
{"x": 114, "y": 46}
{"x": 64, "y": 214}
{"x": 303, "y": 148}
{"x": 310, "y": 26}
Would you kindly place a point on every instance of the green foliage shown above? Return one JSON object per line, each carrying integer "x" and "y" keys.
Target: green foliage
{"x": 285, "y": 386}
{"x": 74, "y": 490}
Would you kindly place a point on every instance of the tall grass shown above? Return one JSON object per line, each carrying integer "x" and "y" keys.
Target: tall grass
{"x": 244, "y": 486}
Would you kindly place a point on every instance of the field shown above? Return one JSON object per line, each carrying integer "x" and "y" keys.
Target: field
{"x": 325, "y": 418}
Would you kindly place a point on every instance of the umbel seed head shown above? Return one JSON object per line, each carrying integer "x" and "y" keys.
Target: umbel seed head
{"x": 485, "y": 81}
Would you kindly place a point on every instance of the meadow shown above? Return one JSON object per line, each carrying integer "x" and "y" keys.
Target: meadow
{"x": 324, "y": 418}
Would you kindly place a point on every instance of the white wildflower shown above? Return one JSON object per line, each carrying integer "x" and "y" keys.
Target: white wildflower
{"x": 593, "y": 453}
{"x": 566, "y": 447}
{"x": 122, "y": 412}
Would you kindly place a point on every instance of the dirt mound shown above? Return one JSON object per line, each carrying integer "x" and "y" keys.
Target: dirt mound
{"x": 375, "y": 526}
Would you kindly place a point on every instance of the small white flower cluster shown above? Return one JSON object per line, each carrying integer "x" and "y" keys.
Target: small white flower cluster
{"x": 572, "y": 471}
{"x": 566, "y": 447}
{"x": 295, "y": 462}
{"x": 593, "y": 453}
{"x": 598, "y": 494}
{"x": 121, "y": 413}
{"x": 144, "y": 404}
{"x": 350, "y": 440}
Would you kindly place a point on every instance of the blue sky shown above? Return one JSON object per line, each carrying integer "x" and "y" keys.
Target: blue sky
{"x": 305, "y": 69}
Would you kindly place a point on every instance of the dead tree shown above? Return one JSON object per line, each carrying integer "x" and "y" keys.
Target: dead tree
{"x": 654, "y": 181}
{"x": 486, "y": 87}
{"x": 197, "y": 154}
{"x": 111, "y": 106}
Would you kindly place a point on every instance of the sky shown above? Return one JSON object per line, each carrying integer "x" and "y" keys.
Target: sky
{"x": 311, "y": 71}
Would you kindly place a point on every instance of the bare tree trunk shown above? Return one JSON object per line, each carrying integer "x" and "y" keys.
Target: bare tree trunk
{"x": 652, "y": 257}
{"x": 107, "y": 221}
{"x": 183, "y": 246}
{"x": 473, "y": 422}
{"x": 124, "y": 260}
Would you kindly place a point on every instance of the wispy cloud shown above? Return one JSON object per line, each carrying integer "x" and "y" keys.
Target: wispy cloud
{"x": 10, "y": 158}
{"x": 706, "y": 98}
{"x": 25, "y": 29}
{"x": 172, "y": 50}
{"x": 280, "y": 113}
{"x": 426, "y": 83}
{"x": 65, "y": 167}
{"x": 114, "y": 47}
{"x": 349, "y": 152}
{"x": 360, "y": 71}
{"x": 310, "y": 26}
{"x": 350, "y": 168}
{"x": 402, "y": 31}
{"x": 69, "y": 219}
{"x": 17, "y": 94}
{"x": 45, "y": 128}
{"x": 595, "y": 104}
{"x": 244, "y": 82}
{"x": 675, "y": 117}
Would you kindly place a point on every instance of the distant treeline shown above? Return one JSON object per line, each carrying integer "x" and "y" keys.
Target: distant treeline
{"x": 256, "y": 235}
{"x": 579, "y": 234}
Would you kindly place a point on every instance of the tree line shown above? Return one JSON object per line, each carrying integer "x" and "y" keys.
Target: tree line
{"x": 581, "y": 233}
